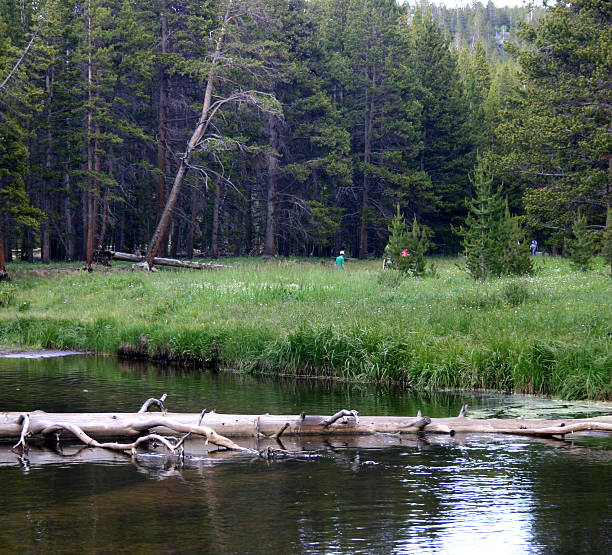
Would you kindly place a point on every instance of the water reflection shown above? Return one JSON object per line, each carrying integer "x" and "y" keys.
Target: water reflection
{"x": 383, "y": 494}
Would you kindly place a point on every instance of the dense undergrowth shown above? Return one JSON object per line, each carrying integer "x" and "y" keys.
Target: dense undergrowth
{"x": 547, "y": 334}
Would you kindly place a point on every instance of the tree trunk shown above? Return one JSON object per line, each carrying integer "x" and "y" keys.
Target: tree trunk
{"x": 129, "y": 257}
{"x": 45, "y": 246}
{"x": 269, "y": 241}
{"x": 3, "y": 272}
{"x": 191, "y": 145}
{"x": 161, "y": 139}
{"x": 104, "y": 225}
{"x": 90, "y": 147}
{"x": 68, "y": 219}
{"x": 343, "y": 423}
{"x": 367, "y": 153}
{"x": 192, "y": 221}
{"x": 174, "y": 236}
{"x": 248, "y": 234}
{"x": 214, "y": 235}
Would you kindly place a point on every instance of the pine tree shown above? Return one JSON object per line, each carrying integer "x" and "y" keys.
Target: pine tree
{"x": 482, "y": 232}
{"x": 407, "y": 247}
{"x": 446, "y": 149}
{"x": 557, "y": 132}
{"x": 581, "y": 244}
{"x": 398, "y": 242}
{"x": 18, "y": 95}
{"x": 418, "y": 243}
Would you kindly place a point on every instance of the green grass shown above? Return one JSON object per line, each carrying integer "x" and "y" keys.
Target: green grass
{"x": 547, "y": 334}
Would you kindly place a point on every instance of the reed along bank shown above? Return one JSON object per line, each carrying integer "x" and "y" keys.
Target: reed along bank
{"x": 548, "y": 334}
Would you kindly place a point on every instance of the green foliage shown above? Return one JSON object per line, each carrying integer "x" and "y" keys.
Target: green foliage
{"x": 407, "y": 247}
{"x": 581, "y": 244}
{"x": 555, "y": 133}
{"x": 606, "y": 240}
{"x": 544, "y": 334}
{"x": 494, "y": 241}
{"x": 7, "y": 293}
{"x": 516, "y": 293}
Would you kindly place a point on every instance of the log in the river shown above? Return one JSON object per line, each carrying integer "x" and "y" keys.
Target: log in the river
{"x": 168, "y": 261}
{"x": 218, "y": 427}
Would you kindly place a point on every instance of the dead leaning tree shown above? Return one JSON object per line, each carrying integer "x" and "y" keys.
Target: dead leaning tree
{"x": 171, "y": 430}
{"x": 235, "y": 9}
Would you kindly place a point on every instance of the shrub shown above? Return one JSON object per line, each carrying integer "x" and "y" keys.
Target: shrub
{"x": 7, "y": 294}
{"x": 515, "y": 293}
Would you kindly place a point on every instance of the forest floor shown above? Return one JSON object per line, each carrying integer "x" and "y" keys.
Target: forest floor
{"x": 550, "y": 333}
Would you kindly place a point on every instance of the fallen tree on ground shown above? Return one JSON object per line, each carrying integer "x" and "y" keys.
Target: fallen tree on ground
{"x": 126, "y": 256}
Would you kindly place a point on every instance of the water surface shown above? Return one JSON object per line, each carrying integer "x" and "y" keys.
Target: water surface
{"x": 385, "y": 495}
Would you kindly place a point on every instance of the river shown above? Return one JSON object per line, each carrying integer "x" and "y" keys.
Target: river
{"x": 434, "y": 494}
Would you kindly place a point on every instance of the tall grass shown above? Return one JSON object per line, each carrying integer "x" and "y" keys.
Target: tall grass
{"x": 548, "y": 334}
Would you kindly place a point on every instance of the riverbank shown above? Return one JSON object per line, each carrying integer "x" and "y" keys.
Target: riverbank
{"x": 550, "y": 334}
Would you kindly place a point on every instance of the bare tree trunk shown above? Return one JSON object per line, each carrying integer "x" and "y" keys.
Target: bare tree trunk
{"x": 161, "y": 139}
{"x": 44, "y": 228}
{"x": 191, "y": 145}
{"x": 90, "y": 146}
{"x": 367, "y": 152}
{"x": 104, "y": 224}
{"x": 174, "y": 240}
{"x": 204, "y": 228}
{"x": 344, "y": 422}
{"x": 192, "y": 221}
{"x": 68, "y": 218}
{"x": 269, "y": 241}
{"x": 214, "y": 235}
{"x": 3, "y": 272}
{"x": 248, "y": 232}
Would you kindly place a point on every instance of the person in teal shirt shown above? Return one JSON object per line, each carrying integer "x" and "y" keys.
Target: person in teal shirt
{"x": 340, "y": 261}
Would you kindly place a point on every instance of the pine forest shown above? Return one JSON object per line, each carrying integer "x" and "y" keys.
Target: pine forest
{"x": 299, "y": 127}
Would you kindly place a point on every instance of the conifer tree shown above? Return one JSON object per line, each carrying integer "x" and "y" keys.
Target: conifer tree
{"x": 494, "y": 241}
{"x": 557, "y": 134}
{"x": 407, "y": 247}
{"x": 418, "y": 244}
{"x": 18, "y": 94}
{"x": 581, "y": 244}
{"x": 481, "y": 231}
{"x": 446, "y": 148}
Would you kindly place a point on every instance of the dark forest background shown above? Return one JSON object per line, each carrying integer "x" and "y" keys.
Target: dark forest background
{"x": 325, "y": 116}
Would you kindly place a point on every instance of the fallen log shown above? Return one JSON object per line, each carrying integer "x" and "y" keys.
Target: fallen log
{"x": 100, "y": 426}
{"x": 167, "y": 261}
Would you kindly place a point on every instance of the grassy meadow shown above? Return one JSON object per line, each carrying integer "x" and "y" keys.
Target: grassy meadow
{"x": 548, "y": 334}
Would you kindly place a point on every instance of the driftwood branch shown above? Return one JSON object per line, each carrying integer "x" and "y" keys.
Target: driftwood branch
{"x": 154, "y": 402}
{"x": 25, "y": 421}
{"x": 560, "y": 430}
{"x": 418, "y": 424}
{"x": 342, "y": 413}
{"x": 280, "y": 432}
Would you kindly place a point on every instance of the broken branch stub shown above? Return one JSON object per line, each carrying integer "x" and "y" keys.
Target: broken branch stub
{"x": 342, "y": 413}
{"x": 154, "y": 402}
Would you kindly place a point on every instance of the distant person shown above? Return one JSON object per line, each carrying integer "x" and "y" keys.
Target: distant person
{"x": 387, "y": 261}
{"x": 340, "y": 261}
{"x": 533, "y": 247}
